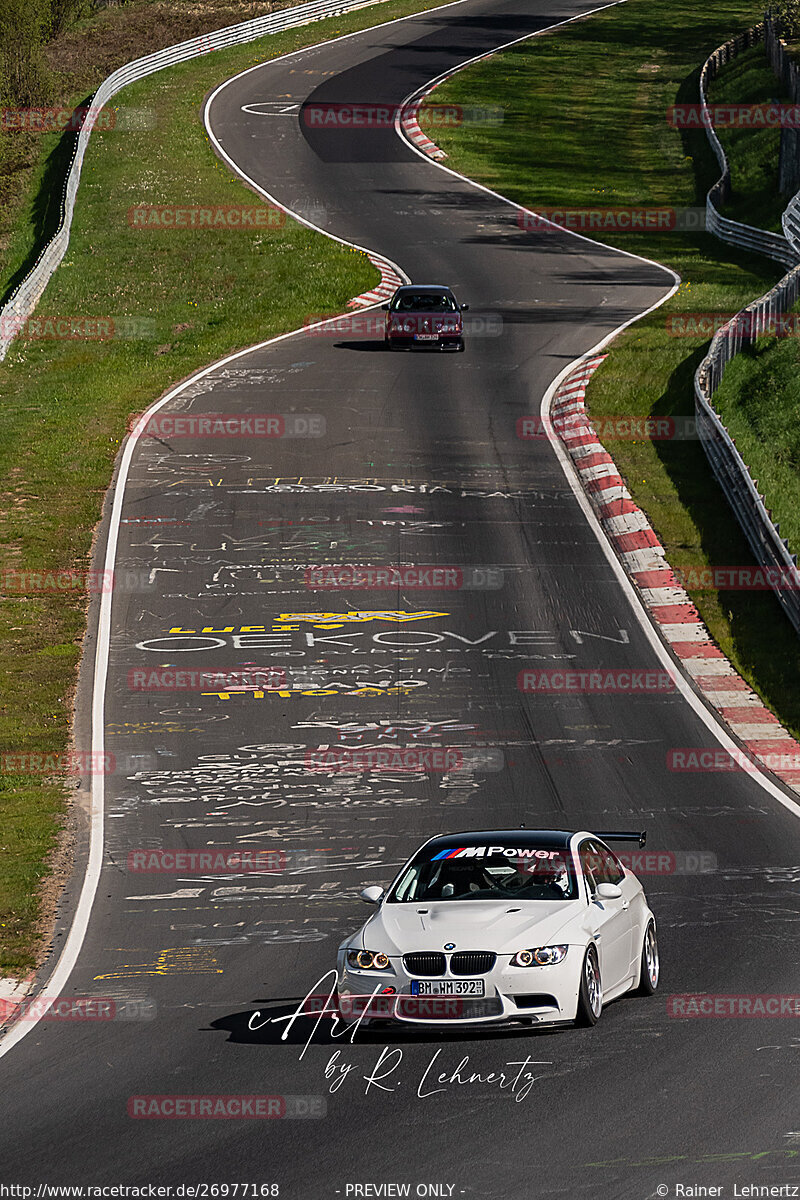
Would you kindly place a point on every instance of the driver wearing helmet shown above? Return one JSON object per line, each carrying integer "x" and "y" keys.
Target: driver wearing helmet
{"x": 546, "y": 880}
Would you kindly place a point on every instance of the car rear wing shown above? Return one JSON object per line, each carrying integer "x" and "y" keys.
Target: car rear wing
{"x": 621, "y": 835}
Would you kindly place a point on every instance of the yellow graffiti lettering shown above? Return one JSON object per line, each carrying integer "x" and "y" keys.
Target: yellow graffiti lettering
{"x": 337, "y": 620}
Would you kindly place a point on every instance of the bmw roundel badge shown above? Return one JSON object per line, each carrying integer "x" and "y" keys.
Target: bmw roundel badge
{"x": 450, "y": 946}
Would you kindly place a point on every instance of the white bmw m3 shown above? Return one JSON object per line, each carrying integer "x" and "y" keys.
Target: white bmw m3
{"x": 537, "y": 926}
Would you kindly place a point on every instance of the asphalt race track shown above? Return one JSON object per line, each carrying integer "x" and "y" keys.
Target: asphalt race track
{"x": 419, "y": 462}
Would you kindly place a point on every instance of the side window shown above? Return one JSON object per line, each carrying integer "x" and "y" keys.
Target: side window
{"x": 612, "y": 870}
{"x": 591, "y": 865}
{"x": 599, "y": 865}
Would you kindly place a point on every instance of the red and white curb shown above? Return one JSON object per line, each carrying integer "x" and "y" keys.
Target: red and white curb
{"x": 411, "y": 128}
{"x": 668, "y": 604}
{"x": 389, "y": 283}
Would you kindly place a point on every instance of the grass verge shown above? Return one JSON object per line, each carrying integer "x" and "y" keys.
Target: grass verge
{"x": 759, "y": 399}
{"x": 196, "y": 295}
{"x": 760, "y": 394}
{"x": 73, "y": 64}
{"x": 585, "y": 126}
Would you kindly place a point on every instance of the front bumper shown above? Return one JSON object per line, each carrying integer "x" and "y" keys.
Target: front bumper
{"x": 541, "y": 995}
{"x": 410, "y": 340}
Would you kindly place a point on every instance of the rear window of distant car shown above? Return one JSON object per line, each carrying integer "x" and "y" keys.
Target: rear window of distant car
{"x": 424, "y": 302}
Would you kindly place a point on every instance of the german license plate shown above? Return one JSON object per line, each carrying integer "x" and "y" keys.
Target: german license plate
{"x": 446, "y": 987}
{"x": 425, "y": 337}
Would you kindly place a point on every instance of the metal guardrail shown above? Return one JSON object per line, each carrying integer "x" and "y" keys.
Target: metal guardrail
{"x": 747, "y": 237}
{"x": 760, "y": 317}
{"x": 791, "y": 223}
{"x": 27, "y": 295}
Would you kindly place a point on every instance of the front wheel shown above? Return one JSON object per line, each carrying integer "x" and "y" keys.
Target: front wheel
{"x": 650, "y": 968}
{"x": 590, "y": 996}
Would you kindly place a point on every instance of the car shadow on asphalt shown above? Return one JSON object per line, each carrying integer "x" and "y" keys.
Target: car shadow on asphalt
{"x": 374, "y": 346}
{"x": 276, "y": 1022}
{"x": 381, "y": 348}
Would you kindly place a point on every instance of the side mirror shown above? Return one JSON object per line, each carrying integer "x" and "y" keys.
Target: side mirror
{"x": 374, "y": 895}
{"x": 464, "y": 307}
{"x": 385, "y": 307}
{"x": 605, "y": 891}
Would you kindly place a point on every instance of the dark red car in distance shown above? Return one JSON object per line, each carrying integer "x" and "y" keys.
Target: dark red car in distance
{"x": 424, "y": 315}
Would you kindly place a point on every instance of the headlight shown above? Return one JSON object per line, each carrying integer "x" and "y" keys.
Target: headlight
{"x": 368, "y": 960}
{"x": 544, "y": 956}
{"x": 408, "y": 326}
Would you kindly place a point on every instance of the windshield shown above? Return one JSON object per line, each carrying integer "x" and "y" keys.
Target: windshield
{"x": 424, "y": 302}
{"x": 487, "y": 873}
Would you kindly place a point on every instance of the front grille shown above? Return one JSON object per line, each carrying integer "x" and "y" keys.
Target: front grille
{"x": 472, "y": 962}
{"x": 425, "y": 963}
{"x": 465, "y": 1008}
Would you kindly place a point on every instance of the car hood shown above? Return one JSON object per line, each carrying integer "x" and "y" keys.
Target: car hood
{"x": 497, "y": 925}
